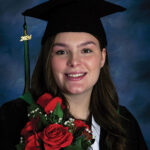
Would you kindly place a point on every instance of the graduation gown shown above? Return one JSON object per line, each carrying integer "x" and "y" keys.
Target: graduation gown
{"x": 13, "y": 117}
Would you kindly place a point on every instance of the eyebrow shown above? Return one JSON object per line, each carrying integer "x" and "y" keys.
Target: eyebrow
{"x": 87, "y": 43}
{"x": 59, "y": 44}
{"x": 80, "y": 45}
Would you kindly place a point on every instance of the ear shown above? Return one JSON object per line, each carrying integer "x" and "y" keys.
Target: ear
{"x": 103, "y": 57}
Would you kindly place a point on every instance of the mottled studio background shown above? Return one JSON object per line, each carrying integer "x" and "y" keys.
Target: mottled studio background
{"x": 128, "y": 36}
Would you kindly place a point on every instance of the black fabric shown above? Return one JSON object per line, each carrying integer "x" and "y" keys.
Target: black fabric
{"x": 135, "y": 139}
{"x": 73, "y": 16}
{"x": 13, "y": 117}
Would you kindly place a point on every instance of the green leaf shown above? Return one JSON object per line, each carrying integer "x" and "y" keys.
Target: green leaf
{"x": 58, "y": 111}
{"x": 86, "y": 144}
{"x": 79, "y": 132}
{"x": 77, "y": 145}
{"x": 43, "y": 120}
{"x": 20, "y": 146}
{"x": 27, "y": 97}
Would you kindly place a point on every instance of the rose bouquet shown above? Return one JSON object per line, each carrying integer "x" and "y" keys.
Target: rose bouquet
{"x": 48, "y": 130}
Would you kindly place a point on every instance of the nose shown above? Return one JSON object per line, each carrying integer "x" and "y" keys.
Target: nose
{"x": 73, "y": 60}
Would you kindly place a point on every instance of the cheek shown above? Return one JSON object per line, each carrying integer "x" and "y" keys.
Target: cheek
{"x": 94, "y": 63}
{"x": 57, "y": 64}
{"x": 94, "y": 69}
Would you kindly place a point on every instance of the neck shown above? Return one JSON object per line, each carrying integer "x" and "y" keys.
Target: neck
{"x": 79, "y": 105}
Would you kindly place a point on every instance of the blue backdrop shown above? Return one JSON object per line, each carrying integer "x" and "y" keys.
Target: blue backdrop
{"x": 128, "y": 35}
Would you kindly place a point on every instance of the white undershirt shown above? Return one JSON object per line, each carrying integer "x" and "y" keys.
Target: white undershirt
{"x": 96, "y": 135}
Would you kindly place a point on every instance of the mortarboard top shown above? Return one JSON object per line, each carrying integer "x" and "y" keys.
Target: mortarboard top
{"x": 74, "y": 16}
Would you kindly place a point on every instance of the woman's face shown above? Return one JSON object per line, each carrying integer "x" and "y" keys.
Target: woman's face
{"x": 76, "y": 61}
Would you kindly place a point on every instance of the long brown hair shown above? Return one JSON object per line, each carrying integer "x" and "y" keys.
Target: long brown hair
{"x": 104, "y": 98}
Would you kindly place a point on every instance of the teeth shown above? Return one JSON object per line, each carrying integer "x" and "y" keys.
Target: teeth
{"x": 76, "y": 75}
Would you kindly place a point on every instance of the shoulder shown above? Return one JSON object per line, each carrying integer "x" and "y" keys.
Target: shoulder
{"x": 126, "y": 115}
{"x": 17, "y": 104}
{"x": 14, "y": 109}
{"x": 128, "y": 120}
{"x": 132, "y": 129}
{"x": 125, "y": 112}
{"x": 13, "y": 116}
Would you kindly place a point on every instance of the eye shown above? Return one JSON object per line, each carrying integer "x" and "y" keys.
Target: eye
{"x": 61, "y": 52}
{"x": 86, "y": 50}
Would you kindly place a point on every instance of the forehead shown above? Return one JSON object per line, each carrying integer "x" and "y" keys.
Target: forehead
{"x": 75, "y": 37}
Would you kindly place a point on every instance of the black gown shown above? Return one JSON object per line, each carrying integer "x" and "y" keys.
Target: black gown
{"x": 13, "y": 117}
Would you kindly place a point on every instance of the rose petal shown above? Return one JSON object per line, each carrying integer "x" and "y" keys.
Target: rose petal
{"x": 34, "y": 123}
{"x": 27, "y": 130}
{"x": 44, "y": 99}
{"x": 56, "y": 136}
{"x": 52, "y": 104}
{"x": 32, "y": 143}
{"x": 80, "y": 123}
{"x": 47, "y": 147}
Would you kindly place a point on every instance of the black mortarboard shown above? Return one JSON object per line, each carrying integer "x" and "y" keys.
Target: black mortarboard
{"x": 73, "y": 16}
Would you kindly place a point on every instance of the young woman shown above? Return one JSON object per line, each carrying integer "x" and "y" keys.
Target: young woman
{"x": 73, "y": 64}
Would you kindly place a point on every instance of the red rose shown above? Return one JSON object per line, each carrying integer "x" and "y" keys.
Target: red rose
{"x": 27, "y": 131}
{"x": 44, "y": 99}
{"x": 80, "y": 123}
{"x": 30, "y": 128}
{"x": 52, "y": 104}
{"x": 34, "y": 123}
{"x": 55, "y": 137}
{"x": 32, "y": 143}
{"x": 48, "y": 103}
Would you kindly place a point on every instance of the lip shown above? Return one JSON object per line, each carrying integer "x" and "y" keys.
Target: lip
{"x": 78, "y": 78}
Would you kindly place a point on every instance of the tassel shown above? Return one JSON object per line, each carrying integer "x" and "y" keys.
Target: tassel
{"x": 25, "y": 38}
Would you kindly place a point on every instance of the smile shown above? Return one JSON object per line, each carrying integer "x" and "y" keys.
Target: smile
{"x": 75, "y": 76}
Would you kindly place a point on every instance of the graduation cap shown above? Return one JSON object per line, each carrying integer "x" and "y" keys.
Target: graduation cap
{"x": 69, "y": 16}
{"x": 73, "y": 16}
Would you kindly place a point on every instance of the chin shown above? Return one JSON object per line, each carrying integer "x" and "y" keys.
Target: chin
{"x": 77, "y": 91}
{"x": 73, "y": 92}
